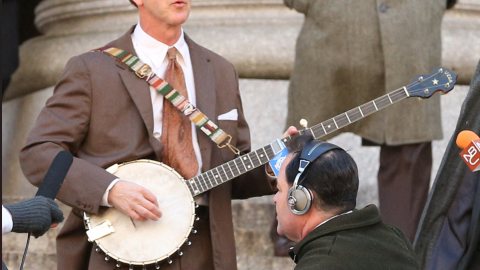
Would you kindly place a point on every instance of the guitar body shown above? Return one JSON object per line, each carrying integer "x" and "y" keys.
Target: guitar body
{"x": 149, "y": 242}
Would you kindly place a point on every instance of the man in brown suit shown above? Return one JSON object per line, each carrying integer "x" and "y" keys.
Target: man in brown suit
{"x": 103, "y": 114}
{"x": 351, "y": 52}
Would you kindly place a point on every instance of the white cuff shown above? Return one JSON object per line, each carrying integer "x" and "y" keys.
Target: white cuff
{"x": 105, "y": 195}
{"x": 7, "y": 222}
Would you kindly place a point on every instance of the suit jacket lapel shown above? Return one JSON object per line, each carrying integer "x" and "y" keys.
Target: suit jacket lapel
{"x": 138, "y": 90}
{"x": 204, "y": 77}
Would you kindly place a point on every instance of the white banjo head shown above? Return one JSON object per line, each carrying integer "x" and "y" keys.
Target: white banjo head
{"x": 137, "y": 242}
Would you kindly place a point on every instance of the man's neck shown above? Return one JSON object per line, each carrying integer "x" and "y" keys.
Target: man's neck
{"x": 167, "y": 34}
{"x": 313, "y": 219}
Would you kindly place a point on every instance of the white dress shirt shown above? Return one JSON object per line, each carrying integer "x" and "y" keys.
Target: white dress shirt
{"x": 7, "y": 222}
{"x": 154, "y": 53}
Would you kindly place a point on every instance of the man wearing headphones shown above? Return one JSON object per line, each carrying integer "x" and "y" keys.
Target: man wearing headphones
{"x": 315, "y": 203}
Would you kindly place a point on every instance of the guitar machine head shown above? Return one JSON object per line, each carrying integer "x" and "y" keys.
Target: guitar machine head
{"x": 424, "y": 86}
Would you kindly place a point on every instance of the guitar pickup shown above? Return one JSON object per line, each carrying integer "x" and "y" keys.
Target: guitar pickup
{"x": 101, "y": 230}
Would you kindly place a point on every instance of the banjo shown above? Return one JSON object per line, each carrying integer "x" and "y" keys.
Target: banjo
{"x": 137, "y": 243}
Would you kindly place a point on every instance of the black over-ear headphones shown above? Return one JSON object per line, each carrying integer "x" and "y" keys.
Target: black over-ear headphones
{"x": 299, "y": 198}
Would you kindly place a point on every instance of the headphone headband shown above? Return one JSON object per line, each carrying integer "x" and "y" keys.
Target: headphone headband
{"x": 300, "y": 204}
{"x": 310, "y": 153}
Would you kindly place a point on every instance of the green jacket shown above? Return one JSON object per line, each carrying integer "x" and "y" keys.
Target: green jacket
{"x": 359, "y": 240}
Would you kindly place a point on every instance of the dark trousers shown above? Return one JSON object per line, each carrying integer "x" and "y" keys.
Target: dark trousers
{"x": 403, "y": 184}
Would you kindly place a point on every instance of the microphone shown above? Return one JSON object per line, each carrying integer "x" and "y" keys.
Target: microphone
{"x": 470, "y": 143}
{"x": 52, "y": 183}
{"x": 55, "y": 175}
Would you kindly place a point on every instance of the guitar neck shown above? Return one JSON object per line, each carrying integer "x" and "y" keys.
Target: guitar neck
{"x": 245, "y": 163}
{"x": 355, "y": 114}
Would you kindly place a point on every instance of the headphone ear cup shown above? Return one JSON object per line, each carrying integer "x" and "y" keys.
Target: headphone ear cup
{"x": 299, "y": 200}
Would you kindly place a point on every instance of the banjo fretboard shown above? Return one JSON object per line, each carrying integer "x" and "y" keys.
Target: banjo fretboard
{"x": 422, "y": 86}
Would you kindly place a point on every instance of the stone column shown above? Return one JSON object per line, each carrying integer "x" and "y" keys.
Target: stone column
{"x": 461, "y": 39}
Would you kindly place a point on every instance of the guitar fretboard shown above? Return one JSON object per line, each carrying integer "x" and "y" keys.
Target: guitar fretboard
{"x": 254, "y": 159}
{"x": 230, "y": 170}
{"x": 353, "y": 115}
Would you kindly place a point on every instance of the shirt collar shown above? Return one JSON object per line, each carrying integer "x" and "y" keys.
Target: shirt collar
{"x": 332, "y": 218}
{"x": 156, "y": 50}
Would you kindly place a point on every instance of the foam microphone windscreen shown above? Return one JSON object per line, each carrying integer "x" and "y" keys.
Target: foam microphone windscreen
{"x": 55, "y": 175}
{"x": 465, "y": 137}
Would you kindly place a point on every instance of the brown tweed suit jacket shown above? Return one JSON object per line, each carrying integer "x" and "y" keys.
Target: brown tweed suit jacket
{"x": 102, "y": 114}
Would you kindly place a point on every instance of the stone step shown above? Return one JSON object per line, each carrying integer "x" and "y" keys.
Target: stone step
{"x": 263, "y": 263}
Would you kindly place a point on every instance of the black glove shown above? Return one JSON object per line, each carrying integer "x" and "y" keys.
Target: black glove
{"x": 34, "y": 215}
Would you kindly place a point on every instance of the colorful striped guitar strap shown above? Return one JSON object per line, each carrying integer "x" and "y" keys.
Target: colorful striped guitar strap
{"x": 143, "y": 71}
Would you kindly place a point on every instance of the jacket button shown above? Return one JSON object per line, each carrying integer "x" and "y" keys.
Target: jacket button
{"x": 383, "y": 8}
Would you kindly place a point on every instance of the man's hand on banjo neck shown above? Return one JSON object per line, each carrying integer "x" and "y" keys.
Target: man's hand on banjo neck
{"x": 134, "y": 200}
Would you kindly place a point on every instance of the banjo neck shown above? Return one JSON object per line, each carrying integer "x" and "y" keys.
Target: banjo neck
{"x": 423, "y": 86}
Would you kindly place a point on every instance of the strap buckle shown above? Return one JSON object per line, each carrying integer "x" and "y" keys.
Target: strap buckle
{"x": 230, "y": 146}
{"x": 145, "y": 70}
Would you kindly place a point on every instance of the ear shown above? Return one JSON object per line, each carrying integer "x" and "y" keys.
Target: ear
{"x": 313, "y": 200}
{"x": 138, "y": 2}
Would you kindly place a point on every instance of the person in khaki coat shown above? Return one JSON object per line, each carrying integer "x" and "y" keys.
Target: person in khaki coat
{"x": 351, "y": 52}
{"x": 103, "y": 114}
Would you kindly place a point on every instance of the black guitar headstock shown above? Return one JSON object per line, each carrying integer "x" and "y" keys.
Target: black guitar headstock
{"x": 424, "y": 86}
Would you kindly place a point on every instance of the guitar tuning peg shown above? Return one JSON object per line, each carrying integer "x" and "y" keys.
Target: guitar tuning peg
{"x": 304, "y": 123}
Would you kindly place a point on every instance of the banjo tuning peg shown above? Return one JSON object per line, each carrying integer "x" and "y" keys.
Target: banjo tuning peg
{"x": 118, "y": 264}
{"x": 169, "y": 260}
{"x": 304, "y": 123}
{"x": 107, "y": 258}
{"x": 189, "y": 243}
{"x": 179, "y": 252}
{"x": 197, "y": 219}
{"x": 157, "y": 266}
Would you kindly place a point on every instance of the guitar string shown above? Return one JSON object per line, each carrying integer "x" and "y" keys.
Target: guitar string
{"x": 381, "y": 101}
{"x": 394, "y": 94}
